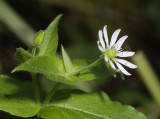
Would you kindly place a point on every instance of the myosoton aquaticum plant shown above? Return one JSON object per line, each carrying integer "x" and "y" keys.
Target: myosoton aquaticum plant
{"x": 25, "y": 99}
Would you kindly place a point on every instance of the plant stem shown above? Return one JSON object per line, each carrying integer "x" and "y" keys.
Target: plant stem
{"x": 34, "y": 51}
{"x": 148, "y": 75}
{"x": 35, "y": 86}
{"x": 51, "y": 94}
{"x": 87, "y": 67}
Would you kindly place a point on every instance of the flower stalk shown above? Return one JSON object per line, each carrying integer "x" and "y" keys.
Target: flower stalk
{"x": 34, "y": 80}
{"x": 51, "y": 94}
{"x": 87, "y": 67}
{"x": 35, "y": 86}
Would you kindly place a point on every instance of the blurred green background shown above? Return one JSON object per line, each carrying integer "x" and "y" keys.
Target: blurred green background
{"x": 78, "y": 32}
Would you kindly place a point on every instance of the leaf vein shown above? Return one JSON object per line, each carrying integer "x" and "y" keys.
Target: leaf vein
{"x": 71, "y": 108}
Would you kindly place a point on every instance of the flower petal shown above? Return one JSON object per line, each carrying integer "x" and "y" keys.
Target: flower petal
{"x": 106, "y": 58}
{"x": 101, "y": 39}
{"x": 106, "y": 35}
{"x": 126, "y": 63}
{"x": 122, "y": 69}
{"x": 114, "y": 37}
{"x": 120, "y": 42}
{"x": 125, "y": 54}
{"x": 113, "y": 66}
{"x": 100, "y": 48}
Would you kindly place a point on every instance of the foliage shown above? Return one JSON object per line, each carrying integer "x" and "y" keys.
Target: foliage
{"x": 17, "y": 97}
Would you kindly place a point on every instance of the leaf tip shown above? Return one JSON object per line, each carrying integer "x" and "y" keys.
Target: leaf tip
{"x": 62, "y": 48}
{"x": 13, "y": 71}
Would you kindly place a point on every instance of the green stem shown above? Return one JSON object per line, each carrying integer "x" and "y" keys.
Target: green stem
{"x": 87, "y": 67}
{"x": 51, "y": 94}
{"x": 148, "y": 75}
{"x": 35, "y": 86}
{"x": 34, "y": 51}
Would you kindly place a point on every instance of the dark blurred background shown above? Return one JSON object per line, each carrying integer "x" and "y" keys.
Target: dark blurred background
{"x": 78, "y": 32}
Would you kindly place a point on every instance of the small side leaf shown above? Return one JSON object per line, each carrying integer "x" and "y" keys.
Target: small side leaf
{"x": 66, "y": 60}
{"x": 49, "y": 45}
{"x": 22, "y": 55}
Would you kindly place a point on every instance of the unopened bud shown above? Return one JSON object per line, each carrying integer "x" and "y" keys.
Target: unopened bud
{"x": 39, "y": 38}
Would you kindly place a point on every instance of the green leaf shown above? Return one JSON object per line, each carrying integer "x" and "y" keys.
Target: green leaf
{"x": 49, "y": 45}
{"x": 66, "y": 60}
{"x": 22, "y": 55}
{"x": 22, "y": 107}
{"x": 17, "y": 97}
{"x": 49, "y": 66}
{"x": 78, "y": 105}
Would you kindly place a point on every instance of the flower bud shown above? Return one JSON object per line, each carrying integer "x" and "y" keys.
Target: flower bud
{"x": 38, "y": 39}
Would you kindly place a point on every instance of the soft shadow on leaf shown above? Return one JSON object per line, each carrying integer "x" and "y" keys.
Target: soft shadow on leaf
{"x": 11, "y": 87}
{"x": 17, "y": 97}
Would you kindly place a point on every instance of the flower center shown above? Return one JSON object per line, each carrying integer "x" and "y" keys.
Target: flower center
{"x": 111, "y": 53}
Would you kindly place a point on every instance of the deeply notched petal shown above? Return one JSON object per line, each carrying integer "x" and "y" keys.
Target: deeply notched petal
{"x": 114, "y": 37}
{"x": 126, "y": 63}
{"x": 101, "y": 39}
{"x": 122, "y": 69}
{"x": 120, "y": 42}
{"x": 106, "y": 35}
{"x": 100, "y": 48}
{"x": 125, "y": 54}
{"x": 113, "y": 66}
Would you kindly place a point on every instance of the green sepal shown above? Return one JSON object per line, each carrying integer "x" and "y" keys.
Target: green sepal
{"x": 22, "y": 55}
{"x": 112, "y": 71}
{"x": 122, "y": 75}
{"x": 66, "y": 60}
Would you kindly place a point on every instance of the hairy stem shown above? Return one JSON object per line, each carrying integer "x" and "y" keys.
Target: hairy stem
{"x": 51, "y": 94}
{"x": 87, "y": 67}
{"x": 35, "y": 86}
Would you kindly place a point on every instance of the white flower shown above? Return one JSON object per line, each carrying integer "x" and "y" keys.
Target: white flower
{"x": 113, "y": 50}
